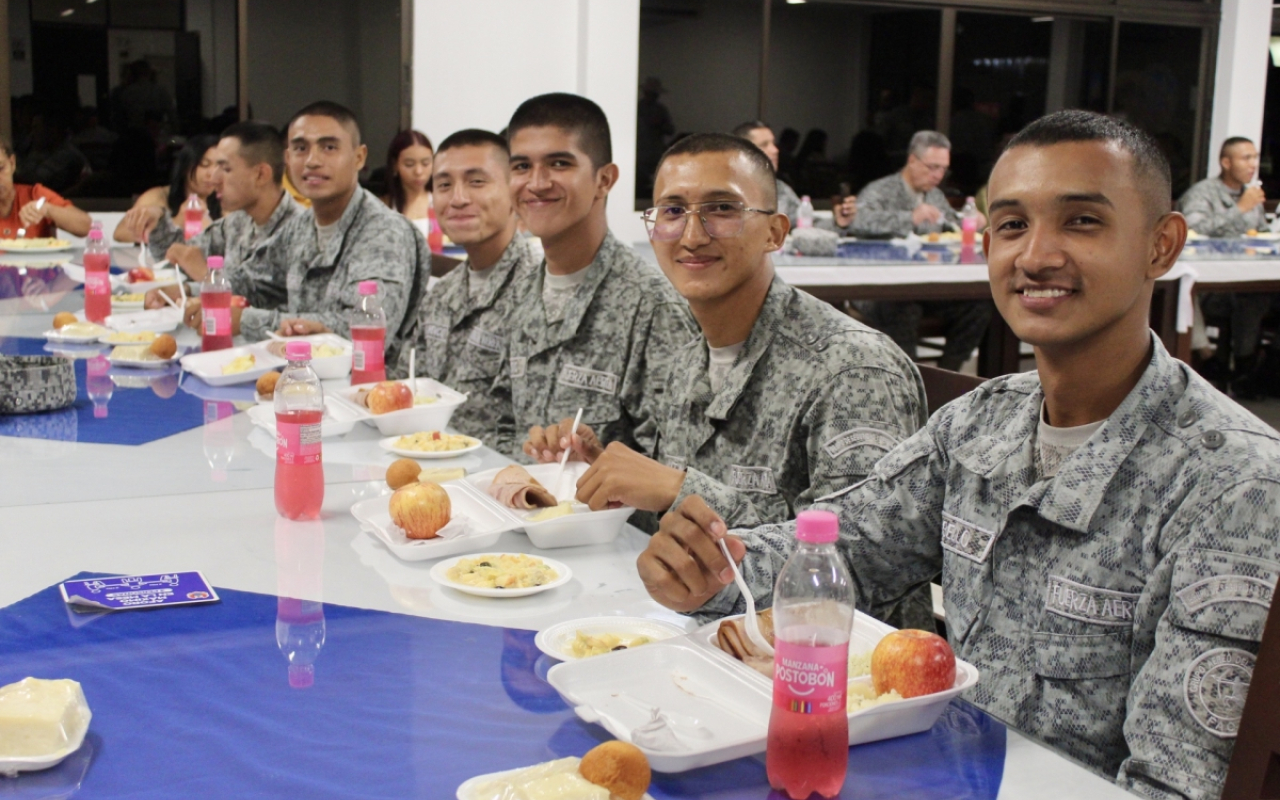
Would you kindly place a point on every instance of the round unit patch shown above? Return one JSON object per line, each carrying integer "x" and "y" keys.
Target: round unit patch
{"x": 1215, "y": 689}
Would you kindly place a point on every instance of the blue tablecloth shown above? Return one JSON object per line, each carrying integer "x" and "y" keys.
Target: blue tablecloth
{"x": 196, "y": 701}
{"x": 152, "y": 410}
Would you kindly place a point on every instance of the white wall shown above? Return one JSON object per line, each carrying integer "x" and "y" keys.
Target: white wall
{"x": 475, "y": 61}
{"x": 1240, "y": 83}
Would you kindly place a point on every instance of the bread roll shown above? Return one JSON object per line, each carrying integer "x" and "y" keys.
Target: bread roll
{"x": 619, "y": 767}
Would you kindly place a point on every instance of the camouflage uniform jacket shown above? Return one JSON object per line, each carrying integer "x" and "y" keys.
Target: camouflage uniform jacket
{"x": 1211, "y": 210}
{"x": 462, "y": 339}
{"x": 1114, "y": 610}
{"x": 252, "y": 261}
{"x": 812, "y": 403}
{"x": 370, "y": 243}
{"x": 789, "y": 204}
{"x": 885, "y": 207}
{"x": 610, "y": 355}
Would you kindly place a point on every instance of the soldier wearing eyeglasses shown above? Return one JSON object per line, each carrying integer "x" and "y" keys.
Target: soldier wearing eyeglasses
{"x": 911, "y": 202}
{"x": 782, "y": 399}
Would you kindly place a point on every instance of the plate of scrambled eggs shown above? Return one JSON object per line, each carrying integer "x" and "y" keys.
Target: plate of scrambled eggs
{"x": 501, "y": 574}
{"x": 430, "y": 444}
{"x": 596, "y": 636}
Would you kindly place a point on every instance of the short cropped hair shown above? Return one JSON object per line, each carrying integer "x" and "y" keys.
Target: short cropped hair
{"x": 571, "y": 113}
{"x": 699, "y": 143}
{"x": 1061, "y": 127}
{"x": 744, "y": 130}
{"x": 1231, "y": 142}
{"x": 335, "y": 111}
{"x": 6, "y": 149}
{"x": 922, "y": 141}
{"x": 474, "y": 137}
{"x": 259, "y": 144}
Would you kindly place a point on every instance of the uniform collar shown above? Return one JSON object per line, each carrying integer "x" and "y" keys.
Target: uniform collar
{"x": 772, "y": 316}
{"x": 335, "y": 243}
{"x": 283, "y": 211}
{"x": 1073, "y": 495}
{"x": 600, "y": 268}
{"x": 516, "y": 253}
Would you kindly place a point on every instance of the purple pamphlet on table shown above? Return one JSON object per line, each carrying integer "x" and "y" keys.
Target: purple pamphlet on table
{"x": 139, "y": 591}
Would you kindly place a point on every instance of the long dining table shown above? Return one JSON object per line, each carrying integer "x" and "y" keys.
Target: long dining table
{"x": 403, "y": 688}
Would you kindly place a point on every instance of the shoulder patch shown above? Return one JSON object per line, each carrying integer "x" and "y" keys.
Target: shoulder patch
{"x": 966, "y": 539}
{"x": 1226, "y": 589}
{"x": 1216, "y": 687}
{"x": 1066, "y": 598}
{"x": 854, "y": 438}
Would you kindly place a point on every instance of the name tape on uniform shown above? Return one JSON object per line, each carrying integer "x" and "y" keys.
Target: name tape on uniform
{"x": 752, "y": 479}
{"x": 485, "y": 340}
{"x": 593, "y": 380}
{"x": 439, "y": 333}
{"x": 966, "y": 539}
{"x": 1066, "y": 598}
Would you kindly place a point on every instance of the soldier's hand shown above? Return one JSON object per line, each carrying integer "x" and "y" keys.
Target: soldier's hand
{"x": 926, "y": 214}
{"x": 190, "y": 259}
{"x": 139, "y": 220}
{"x": 683, "y": 567}
{"x": 1251, "y": 198}
{"x": 622, "y": 477}
{"x": 546, "y": 445}
{"x": 845, "y": 211}
{"x": 152, "y": 299}
{"x": 191, "y": 315}
{"x": 301, "y": 327}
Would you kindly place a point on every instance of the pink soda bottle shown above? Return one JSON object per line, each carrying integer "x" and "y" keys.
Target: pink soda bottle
{"x": 299, "y": 402}
{"x": 369, "y": 335}
{"x": 97, "y": 278}
{"x": 808, "y": 745}
{"x": 215, "y": 308}
{"x": 192, "y": 217}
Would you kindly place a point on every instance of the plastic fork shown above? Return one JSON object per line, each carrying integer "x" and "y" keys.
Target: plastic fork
{"x": 23, "y": 230}
{"x": 753, "y": 622}
{"x": 564, "y": 458}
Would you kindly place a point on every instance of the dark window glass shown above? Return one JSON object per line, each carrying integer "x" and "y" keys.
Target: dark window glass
{"x": 69, "y": 12}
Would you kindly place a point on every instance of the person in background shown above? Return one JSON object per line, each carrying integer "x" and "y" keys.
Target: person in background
{"x": 782, "y": 399}
{"x": 910, "y": 202}
{"x": 250, "y": 170}
{"x": 595, "y": 328}
{"x": 1107, "y": 527}
{"x": 20, "y": 206}
{"x": 409, "y": 184}
{"x": 463, "y": 324}
{"x": 194, "y": 171}
{"x": 653, "y": 126}
{"x": 842, "y": 214}
{"x": 346, "y": 237}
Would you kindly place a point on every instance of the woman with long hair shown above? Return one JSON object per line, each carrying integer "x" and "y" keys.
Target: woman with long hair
{"x": 409, "y": 160}
{"x": 194, "y": 171}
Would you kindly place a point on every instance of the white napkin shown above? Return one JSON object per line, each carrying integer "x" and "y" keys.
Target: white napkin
{"x": 458, "y": 527}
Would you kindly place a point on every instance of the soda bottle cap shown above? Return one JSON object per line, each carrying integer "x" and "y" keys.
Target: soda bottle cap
{"x": 817, "y": 527}
{"x": 302, "y": 676}
{"x": 215, "y": 262}
{"x": 368, "y": 287}
{"x": 298, "y": 351}
{"x": 95, "y": 233}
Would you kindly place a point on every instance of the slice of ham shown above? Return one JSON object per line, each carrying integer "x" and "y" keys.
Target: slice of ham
{"x": 732, "y": 638}
{"x": 514, "y": 487}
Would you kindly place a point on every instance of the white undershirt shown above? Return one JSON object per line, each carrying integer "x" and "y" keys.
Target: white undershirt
{"x": 477, "y": 279}
{"x": 324, "y": 233}
{"x": 1055, "y": 445}
{"x": 721, "y": 362}
{"x": 557, "y": 291}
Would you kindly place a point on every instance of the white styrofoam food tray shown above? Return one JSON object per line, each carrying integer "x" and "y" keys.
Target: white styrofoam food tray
{"x": 579, "y": 528}
{"x": 208, "y": 366}
{"x": 431, "y": 417}
{"x": 716, "y": 713}
{"x": 160, "y": 320}
{"x": 338, "y": 420}
{"x": 557, "y": 641}
{"x": 327, "y": 368}
{"x": 374, "y": 516}
{"x": 75, "y": 737}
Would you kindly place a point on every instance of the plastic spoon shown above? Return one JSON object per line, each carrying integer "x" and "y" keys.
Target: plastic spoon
{"x": 564, "y": 457}
{"x": 753, "y": 624}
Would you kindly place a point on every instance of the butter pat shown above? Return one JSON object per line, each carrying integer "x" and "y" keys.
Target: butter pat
{"x": 564, "y": 786}
{"x": 40, "y": 718}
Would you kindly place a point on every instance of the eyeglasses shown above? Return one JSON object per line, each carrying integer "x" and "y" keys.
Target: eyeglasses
{"x": 936, "y": 168}
{"x": 721, "y": 219}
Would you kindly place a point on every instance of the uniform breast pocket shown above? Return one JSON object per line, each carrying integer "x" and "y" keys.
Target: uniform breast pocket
{"x": 1084, "y": 684}
{"x": 596, "y": 391}
{"x": 475, "y": 364}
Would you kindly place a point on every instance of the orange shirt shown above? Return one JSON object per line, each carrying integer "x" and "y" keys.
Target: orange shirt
{"x": 24, "y": 194}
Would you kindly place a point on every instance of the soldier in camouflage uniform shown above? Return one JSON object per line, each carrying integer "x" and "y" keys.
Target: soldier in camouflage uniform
{"x": 906, "y": 202}
{"x": 346, "y": 237}
{"x": 463, "y": 321}
{"x": 841, "y": 219}
{"x": 1108, "y": 530}
{"x": 256, "y": 209}
{"x": 595, "y": 328}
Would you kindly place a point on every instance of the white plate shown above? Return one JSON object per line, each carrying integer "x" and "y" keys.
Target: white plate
{"x": 467, "y": 791}
{"x": 557, "y": 641}
{"x": 164, "y": 277}
{"x": 106, "y": 338}
{"x": 581, "y": 528}
{"x": 337, "y": 419}
{"x": 158, "y": 320}
{"x": 433, "y": 417}
{"x": 126, "y": 305}
{"x": 142, "y": 363}
{"x": 208, "y": 366}
{"x": 327, "y": 368}
{"x": 59, "y": 337}
{"x": 375, "y": 519}
{"x": 439, "y": 573}
{"x": 389, "y": 443}
{"x": 51, "y": 248}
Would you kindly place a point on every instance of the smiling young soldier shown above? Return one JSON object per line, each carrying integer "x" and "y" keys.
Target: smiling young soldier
{"x": 782, "y": 399}
{"x": 1106, "y": 529}
{"x": 597, "y": 327}
{"x": 463, "y": 322}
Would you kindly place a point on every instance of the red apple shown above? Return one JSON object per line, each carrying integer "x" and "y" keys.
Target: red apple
{"x": 239, "y": 301}
{"x": 141, "y": 275}
{"x": 913, "y": 662}
{"x": 389, "y": 396}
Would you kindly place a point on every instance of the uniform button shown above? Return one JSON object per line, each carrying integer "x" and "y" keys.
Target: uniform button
{"x": 811, "y": 338}
{"x": 1213, "y": 439}
{"x": 1187, "y": 418}
{"x": 822, "y": 347}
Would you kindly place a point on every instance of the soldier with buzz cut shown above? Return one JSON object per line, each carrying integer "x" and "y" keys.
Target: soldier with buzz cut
{"x": 1107, "y": 527}
{"x": 595, "y": 328}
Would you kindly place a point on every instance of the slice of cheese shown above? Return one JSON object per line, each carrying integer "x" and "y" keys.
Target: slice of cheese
{"x": 39, "y": 717}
